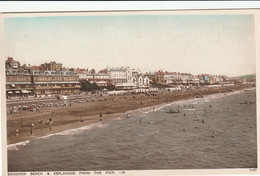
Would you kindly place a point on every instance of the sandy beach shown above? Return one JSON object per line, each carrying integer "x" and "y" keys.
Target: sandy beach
{"x": 87, "y": 113}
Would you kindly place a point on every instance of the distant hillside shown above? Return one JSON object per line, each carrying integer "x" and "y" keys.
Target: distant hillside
{"x": 252, "y": 76}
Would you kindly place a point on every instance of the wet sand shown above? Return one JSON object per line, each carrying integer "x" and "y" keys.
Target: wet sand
{"x": 87, "y": 113}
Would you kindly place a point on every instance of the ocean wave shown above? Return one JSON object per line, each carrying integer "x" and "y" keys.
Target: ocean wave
{"x": 63, "y": 133}
{"x": 195, "y": 102}
{"x": 119, "y": 118}
{"x": 75, "y": 130}
{"x": 16, "y": 145}
{"x": 190, "y": 109}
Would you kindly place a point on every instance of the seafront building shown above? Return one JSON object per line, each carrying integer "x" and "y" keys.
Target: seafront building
{"x": 172, "y": 78}
{"x": 101, "y": 79}
{"x": 52, "y": 66}
{"x": 52, "y": 78}
{"x": 176, "y": 78}
{"x": 117, "y": 75}
{"x": 151, "y": 77}
{"x": 18, "y": 83}
{"x": 139, "y": 79}
{"x": 55, "y": 82}
{"x": 82, "y": 73}
{"x": 121, "y": 77}
{"x": 159, "y": 77}
{"x": 34, "y": 81}
{"x": 10, "y": 63}
{"x": 128, "y": 78}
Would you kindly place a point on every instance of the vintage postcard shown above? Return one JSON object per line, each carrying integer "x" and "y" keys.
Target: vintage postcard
{"x": 130, "y": 92}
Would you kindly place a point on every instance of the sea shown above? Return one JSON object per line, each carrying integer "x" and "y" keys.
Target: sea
{"x": 214, "y": 132}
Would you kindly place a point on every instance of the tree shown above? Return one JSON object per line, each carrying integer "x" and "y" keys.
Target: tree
{"x": 87, "y": 86}
{"x": 111, "y": 87}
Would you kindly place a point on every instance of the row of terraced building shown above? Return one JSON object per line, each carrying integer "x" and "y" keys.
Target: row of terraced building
{"x": 47, "y": 79}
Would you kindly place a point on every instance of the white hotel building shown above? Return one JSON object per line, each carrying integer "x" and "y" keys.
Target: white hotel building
{"x": 127, "y": 78}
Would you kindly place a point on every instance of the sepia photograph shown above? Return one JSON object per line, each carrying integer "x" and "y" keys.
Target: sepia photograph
{"x": 124, "y": 91}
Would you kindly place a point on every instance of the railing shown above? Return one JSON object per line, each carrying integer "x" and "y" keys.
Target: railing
{"x": 56, "y": 87}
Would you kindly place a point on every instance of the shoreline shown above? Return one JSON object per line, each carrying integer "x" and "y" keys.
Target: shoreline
{"x": 68, "y": 120}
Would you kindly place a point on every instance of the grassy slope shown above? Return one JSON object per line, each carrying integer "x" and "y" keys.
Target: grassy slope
{"x": 252, "y": 76}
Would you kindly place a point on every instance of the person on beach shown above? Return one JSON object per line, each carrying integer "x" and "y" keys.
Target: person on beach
{"x": 210, "y": 106}
{"x": 213, "y": 135}
{"x": 140, "y": 120}
{"x": 100, "y": 115}
{"x": 31, "y": 131}
{"x": 184, "y": 114}
{"x": 81, "y": 120}
{"x": 16, "y": 132}
{"x": 50, "y": 120}
{"x": 33, "y": 125}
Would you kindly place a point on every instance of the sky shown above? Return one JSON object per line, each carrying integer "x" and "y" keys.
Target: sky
{"x": 211, "y": 44}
